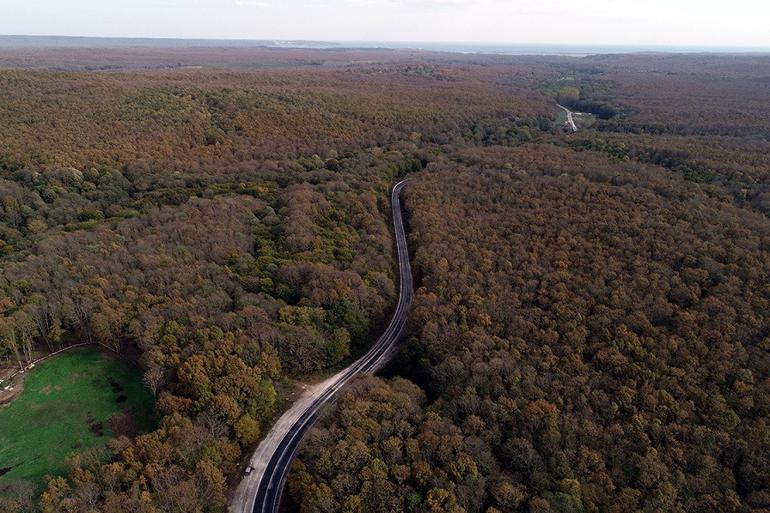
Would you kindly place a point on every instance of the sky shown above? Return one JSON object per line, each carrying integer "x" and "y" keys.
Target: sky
{"x": 717, "y": 23}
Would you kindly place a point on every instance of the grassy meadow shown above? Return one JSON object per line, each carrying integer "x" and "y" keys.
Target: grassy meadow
{"x": 75, "y": 401}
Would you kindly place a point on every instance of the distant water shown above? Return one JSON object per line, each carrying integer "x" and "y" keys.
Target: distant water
{"x": 552, "y": 49}
{"x": 477, "y": 48}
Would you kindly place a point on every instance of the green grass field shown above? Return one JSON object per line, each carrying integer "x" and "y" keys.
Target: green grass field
{"x": 65, "y": 406}
{"x": 561, "y": 118}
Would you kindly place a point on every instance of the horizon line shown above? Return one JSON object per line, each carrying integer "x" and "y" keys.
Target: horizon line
{"x": 492, "y": 47}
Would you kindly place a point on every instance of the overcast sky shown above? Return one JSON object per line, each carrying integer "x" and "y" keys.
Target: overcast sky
{"x": 628, "y": 22}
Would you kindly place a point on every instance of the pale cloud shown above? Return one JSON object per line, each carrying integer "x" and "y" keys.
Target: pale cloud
{"x": 251, "y": 3}
{"x": 617, "y": 22}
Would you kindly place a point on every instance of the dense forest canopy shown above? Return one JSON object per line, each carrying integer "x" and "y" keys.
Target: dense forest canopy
{"x": 590, "y": 330}
{"x": 590, "y": 336}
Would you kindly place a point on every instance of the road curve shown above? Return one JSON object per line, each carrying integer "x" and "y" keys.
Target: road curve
{"x": 260, "y": 491}
{"x": 570, "y": 118}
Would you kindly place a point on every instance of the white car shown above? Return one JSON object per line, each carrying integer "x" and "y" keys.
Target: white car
{"x": 248, "y": 470}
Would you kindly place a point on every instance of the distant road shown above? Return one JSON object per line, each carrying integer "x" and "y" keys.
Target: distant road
{"x": 570, "y": 118}
{"x": 260, "y": 491}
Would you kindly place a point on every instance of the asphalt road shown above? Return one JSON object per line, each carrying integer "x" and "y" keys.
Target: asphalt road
{"x": 260, "y": 491}
{"x": 570, "y": 118}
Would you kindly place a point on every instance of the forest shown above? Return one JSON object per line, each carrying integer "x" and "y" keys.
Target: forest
{"x": 590, "y": 328}
{"x": 588, "y": 336}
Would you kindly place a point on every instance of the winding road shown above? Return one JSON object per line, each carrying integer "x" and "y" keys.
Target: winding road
{"x": 570, "y": 118}
{"x": 260, "y": 491}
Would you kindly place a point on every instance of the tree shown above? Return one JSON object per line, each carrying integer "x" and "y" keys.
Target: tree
{"x": 153, "y": 378}
{"x": 337, "y": 347}
{"x": 8, "y": 339}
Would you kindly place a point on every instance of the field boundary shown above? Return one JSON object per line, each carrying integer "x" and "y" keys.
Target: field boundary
{"x": 5, "y": 382}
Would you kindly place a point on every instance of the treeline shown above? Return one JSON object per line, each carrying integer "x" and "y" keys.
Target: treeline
{"x": 577, "y": 100}
{"x": 734, "y": 169}
{"x": 216, "y": 123}
{"x": 588, "y": 336}
{"x": 706, "y": 95}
